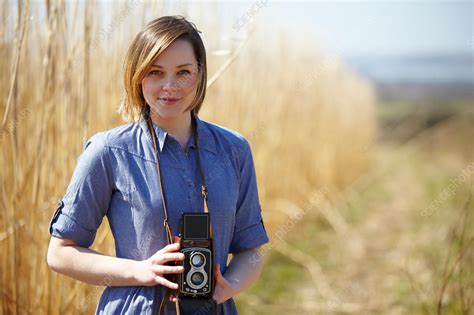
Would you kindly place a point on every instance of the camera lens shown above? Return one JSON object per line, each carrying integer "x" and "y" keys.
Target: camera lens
{"x": 197, "y": 278}
{"x": 197, "y": 260}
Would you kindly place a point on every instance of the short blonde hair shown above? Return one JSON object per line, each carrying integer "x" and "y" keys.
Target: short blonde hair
{"x": 145, "y": 48}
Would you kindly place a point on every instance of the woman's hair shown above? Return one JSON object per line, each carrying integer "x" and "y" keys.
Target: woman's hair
{"x": 145, "y": 48}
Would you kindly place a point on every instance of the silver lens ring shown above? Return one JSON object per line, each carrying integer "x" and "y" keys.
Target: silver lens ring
{"x": 192, "y": 284}
{"x": 197, "y": 259}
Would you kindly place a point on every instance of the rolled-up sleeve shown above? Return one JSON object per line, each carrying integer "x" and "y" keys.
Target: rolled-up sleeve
{"x": 249, "y": 229}
{"x": 80, "y": 212}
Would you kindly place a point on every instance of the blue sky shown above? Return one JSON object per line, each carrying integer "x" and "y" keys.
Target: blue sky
{"x": 370, "y": 27}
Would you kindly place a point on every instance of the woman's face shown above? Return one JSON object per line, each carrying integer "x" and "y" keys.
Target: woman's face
{"x": 170, "y": 85}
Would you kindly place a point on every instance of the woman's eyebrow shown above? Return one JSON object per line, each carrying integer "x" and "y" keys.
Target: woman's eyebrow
{"x": 183, "y": 65}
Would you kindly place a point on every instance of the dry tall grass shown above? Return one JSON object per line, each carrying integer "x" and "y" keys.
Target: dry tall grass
{"x": 309, "y": 121}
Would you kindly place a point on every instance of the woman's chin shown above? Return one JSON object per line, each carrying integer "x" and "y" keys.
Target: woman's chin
{"x": 167, "y": 113}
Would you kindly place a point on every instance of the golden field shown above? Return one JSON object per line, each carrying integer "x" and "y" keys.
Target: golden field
{"x": 343, "y": 210}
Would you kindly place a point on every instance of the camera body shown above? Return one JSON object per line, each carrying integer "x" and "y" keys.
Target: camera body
{"x": 196, "y": 244}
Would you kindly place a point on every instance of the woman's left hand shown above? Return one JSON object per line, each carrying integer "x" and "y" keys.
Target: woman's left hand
{"x": 223, "y": 290}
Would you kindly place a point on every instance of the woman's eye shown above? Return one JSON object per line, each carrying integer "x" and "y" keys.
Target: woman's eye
{"x": 184, "y": 72}
{"x": 155, "y": 72}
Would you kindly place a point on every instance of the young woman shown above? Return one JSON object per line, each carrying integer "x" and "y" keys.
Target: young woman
{"x": 117, "y": 176}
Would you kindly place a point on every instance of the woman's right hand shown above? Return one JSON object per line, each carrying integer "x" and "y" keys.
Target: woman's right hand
{"x": 151, "y": 271}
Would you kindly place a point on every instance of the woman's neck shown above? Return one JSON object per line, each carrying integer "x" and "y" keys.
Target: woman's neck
{"x": 179, "y": 127}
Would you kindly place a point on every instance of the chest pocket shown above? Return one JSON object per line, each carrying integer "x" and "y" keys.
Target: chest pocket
{"x": 223, "y": 187}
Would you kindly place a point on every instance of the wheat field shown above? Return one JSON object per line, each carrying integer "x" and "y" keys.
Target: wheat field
{"x": 310, "y": 121}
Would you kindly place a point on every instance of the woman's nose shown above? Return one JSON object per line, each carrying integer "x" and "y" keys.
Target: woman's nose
{"x": 170, "y": 85}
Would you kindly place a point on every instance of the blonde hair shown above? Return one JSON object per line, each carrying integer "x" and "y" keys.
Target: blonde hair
{"x": 145, "y": 48}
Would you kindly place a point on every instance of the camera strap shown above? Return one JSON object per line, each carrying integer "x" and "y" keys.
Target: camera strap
{"x": 204, "y": 193}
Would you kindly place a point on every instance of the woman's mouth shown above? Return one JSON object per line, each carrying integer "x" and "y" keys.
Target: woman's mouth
{"x": 169, "y": 100}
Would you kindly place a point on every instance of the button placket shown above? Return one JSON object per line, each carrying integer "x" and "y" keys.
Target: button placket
{"x": 190, "y": 177}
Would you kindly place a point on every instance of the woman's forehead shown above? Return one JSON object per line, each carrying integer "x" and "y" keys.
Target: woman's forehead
{"x": 179, "y": 54}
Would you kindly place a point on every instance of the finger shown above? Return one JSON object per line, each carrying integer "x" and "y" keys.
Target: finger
{"x": 166, "y": 283}
{"x": 217, "y": 272}
{"x": 169, "y": 269}
{"x": 215, "y": 297}
{"x": 172, "y": 297}
{"x": 170, "y": 248}
{"x": 176, "y": 239}
{"x": 217, "y": 269}
{"x": 166, "y": 257}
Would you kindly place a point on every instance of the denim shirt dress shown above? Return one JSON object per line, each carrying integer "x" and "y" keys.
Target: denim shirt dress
{"x": 116, "y": 177}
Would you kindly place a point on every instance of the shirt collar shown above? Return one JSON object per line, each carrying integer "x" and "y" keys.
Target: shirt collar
{"x": 206, "y": 139}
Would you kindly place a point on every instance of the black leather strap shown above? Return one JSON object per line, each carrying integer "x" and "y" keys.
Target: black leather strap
{"x": 204, "y": 190}
{"x": 187, "y": 306}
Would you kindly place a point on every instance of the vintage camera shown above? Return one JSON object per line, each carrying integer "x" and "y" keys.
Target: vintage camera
{"x": 196, "y": 244}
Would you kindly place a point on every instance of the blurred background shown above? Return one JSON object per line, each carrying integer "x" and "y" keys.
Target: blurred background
{"x": 359, "y": 113}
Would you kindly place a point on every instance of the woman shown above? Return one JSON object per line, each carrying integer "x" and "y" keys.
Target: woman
{"x": 116, "y": 176}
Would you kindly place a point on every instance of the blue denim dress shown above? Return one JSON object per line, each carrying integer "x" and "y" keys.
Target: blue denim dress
{"x": 116, "y": 177}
